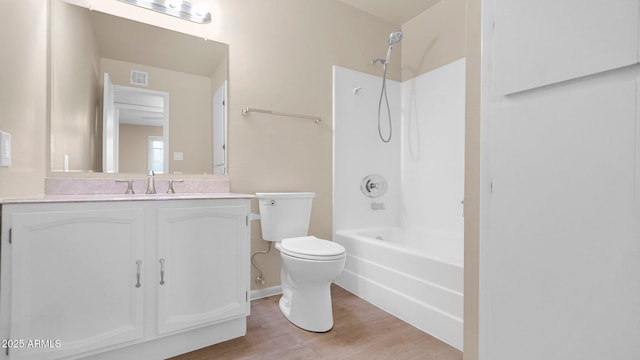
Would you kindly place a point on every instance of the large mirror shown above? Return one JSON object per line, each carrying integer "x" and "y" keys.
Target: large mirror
{"x": 129, "y": 97}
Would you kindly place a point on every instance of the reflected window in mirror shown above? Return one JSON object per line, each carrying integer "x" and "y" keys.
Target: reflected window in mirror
{"x": 156, "y": 162}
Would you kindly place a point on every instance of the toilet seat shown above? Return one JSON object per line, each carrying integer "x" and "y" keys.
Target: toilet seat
{"x": 312, "y": 248}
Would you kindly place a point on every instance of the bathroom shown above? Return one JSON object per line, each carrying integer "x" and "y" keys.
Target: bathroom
{"x": 272, "y": 65}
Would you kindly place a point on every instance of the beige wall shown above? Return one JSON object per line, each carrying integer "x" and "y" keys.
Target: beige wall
{"x": 281, "y": 57}
{"x": 75, "y": 93}
{"x": 434, "y": 38}
{"x": 134, "y": 147}
{"x": 23, "y": 95}
{"x": 190, "y": 112}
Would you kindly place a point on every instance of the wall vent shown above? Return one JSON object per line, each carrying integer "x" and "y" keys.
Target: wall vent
{"x": 140, "y": 78}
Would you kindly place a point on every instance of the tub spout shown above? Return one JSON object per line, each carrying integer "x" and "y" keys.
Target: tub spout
{"x": 377, "y": 206}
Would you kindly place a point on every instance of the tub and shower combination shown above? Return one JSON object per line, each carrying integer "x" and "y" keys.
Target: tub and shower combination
{"x": 404, "y": 245}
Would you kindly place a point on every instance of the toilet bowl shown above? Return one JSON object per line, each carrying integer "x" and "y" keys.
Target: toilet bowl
{"x": 309, "y": 264}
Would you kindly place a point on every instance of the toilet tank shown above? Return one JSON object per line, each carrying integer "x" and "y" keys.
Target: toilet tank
{"x": 284, "y": 215}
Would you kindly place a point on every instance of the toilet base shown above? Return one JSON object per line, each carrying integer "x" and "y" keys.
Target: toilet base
{"x": 311, "y": 311}
{"x": 306, "y": 290}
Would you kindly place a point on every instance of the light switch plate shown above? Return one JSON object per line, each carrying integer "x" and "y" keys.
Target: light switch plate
{"x": 178, "y": 155}
{"x": 5, "y": 149}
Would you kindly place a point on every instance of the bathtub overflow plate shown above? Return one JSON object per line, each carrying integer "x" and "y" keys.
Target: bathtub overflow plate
{"x": 373, "y": 186}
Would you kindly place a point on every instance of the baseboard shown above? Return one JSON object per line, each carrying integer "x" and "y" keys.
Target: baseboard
{"x": 266, "y": 292}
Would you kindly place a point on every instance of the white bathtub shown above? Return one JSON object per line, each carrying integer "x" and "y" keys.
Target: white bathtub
{"x": 415, "y": 275}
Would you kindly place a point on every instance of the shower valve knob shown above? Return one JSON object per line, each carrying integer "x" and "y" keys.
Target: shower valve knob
{"x": 373, "y": 186}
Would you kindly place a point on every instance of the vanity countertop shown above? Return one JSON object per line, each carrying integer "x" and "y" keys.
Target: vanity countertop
{"x": 124, "y": 197}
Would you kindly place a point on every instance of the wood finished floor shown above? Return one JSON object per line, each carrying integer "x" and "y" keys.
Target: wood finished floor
{"x": 360, "y": 331}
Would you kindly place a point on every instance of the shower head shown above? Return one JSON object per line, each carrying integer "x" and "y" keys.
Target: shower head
{"x": 395, "y": 37}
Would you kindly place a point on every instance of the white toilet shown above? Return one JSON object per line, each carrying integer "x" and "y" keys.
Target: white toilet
{"x": 309, "y": 264}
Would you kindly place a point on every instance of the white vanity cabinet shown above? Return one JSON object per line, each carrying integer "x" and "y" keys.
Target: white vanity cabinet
{"x": 200, "y": 278}
{"x": 72, "y": 276}
{"x": 122, "y": 279}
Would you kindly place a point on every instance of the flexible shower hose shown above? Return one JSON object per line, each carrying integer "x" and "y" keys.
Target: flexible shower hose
{"x": 383, "y": 92}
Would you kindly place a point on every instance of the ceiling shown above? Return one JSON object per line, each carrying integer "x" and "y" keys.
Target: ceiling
{"x": 396, "y": 11}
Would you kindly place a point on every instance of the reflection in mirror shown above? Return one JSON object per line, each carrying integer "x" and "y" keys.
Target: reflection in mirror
{"x": 161, "y": 107}
{"x": 135, "y": 122}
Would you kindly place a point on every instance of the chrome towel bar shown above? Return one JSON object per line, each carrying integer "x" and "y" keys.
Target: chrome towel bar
{"x": 245, "y": 111}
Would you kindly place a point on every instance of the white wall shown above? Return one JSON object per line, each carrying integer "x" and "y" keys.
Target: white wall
{"x": 358, "y": 150}
{"x": 559, "y": 245}
{"x": 433, "y": 149}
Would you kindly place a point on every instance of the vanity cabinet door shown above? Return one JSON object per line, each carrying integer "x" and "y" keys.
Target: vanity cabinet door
{"x": 202, "y": 265}
{"x": 74, "y": 279}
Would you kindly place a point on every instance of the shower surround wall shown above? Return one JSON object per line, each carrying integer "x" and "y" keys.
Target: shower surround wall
{"x": 424, "y": 161}
{"x": 358, "y": 150}
{"x": 433, "y": 149}
{"x": 422, "y": 219}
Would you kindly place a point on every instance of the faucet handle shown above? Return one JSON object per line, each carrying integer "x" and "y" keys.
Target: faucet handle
{"x": 170, "y": 189}
{"x": 129, "y": 185}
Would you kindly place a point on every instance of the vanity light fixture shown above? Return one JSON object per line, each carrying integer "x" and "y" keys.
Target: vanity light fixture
{"x": 198, "y": 13}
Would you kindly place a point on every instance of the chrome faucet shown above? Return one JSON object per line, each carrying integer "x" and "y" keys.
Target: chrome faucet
{"x": 129, "y": 186}
{"x": 151, "y": 186}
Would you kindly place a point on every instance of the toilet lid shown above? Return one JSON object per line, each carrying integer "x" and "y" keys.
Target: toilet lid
{"x": 312, "y": 248}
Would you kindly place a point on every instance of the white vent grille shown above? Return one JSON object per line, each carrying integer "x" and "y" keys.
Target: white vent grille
{"x": 139, "y": 78}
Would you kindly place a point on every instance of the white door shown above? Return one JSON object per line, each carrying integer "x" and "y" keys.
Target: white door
{"x": 563, "y": 248}
{"x": 220, "y": 130}
{"x": 201, "y": 265}
{"x": 560, "y": 236}
{"x": 110, "y": 128}
{"x": 74, "y": 277}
